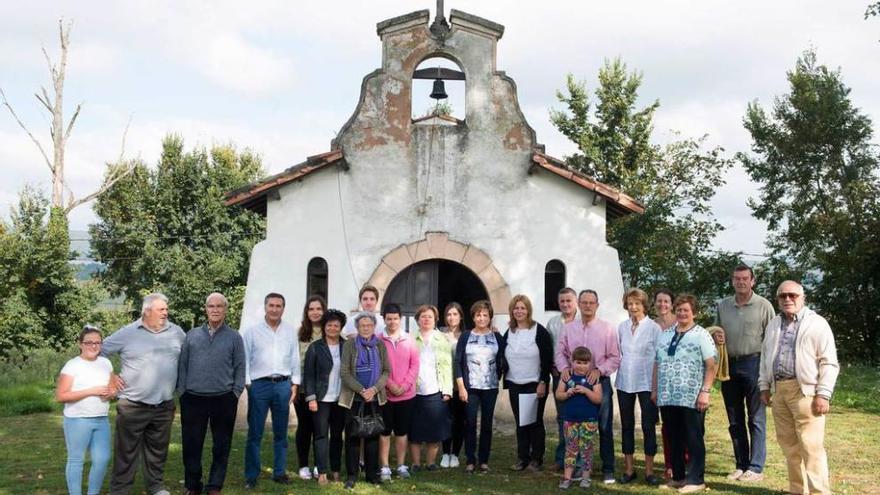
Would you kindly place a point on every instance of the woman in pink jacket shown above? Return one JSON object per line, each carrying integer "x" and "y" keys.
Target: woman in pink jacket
{"x": 403, "y": 355}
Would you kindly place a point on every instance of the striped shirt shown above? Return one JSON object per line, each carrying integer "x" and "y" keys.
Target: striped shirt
{"x": 784, "y": 363}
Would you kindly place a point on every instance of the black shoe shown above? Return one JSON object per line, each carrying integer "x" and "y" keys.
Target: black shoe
{"x": 281, "y": 480}
{"x": 349, "y": 484}
{"x": 432, "y": 467}
{"x": 627, "y": 478}
{"x": 652, "y": 480}
{"x": 250, "y": 484}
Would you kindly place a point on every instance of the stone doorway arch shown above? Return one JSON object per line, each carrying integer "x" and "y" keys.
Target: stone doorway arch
{"x": 438, "y": 245}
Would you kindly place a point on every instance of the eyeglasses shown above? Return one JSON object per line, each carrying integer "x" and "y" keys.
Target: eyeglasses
{"x": 788, "y": 295}
{"x": 92, "y": 344}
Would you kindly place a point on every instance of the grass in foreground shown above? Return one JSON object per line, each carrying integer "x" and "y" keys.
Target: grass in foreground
{"x": 32, "y": 458}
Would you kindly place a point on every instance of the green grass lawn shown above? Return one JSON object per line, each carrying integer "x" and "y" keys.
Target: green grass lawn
{"x": 32, "y": 460}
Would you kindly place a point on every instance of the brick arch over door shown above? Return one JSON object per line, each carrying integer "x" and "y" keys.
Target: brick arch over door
{"x": 438, "y": 245}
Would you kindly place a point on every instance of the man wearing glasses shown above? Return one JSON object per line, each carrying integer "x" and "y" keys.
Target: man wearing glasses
{"x": 798, "y": 371}
{"x": 210, "y": 379}
{"x": 600, "y": 338}
{"x": 743, "y": 318}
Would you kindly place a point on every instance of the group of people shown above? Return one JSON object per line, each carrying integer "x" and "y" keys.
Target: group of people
{"x": 360, "y": 384}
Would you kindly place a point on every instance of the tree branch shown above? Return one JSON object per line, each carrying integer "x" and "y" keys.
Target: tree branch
{"x": 72, "y": 120}
{"x": 112, "y": 179}
{"x": 44, "y": 99}
{"x": 29, "y": 133}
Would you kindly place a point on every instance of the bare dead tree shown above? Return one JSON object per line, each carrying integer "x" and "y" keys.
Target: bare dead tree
{"x": 60, "y": 132}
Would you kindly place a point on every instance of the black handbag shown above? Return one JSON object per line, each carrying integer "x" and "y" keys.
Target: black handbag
{"x": 367, "y": 425}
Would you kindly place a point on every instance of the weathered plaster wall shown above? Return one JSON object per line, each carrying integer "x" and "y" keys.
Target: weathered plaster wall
{"x": 469, "y": 180}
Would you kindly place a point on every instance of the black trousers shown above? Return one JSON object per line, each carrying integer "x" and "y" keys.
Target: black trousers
{"x": 530, "y": 439}
{"x": 305, "y": 431}
{"x": 328, "y": 421}
{"x": 458, "y": 413}
{"x": 627, "y": 403}
{"x": 353, "y": 446}
{"x": 197, "y": 413}
{"x": 686, "y": 428}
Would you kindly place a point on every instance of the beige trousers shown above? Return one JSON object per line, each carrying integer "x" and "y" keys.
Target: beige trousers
{"x": 801, "y": 436}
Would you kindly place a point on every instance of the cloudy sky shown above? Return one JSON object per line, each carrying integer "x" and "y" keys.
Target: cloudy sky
{"x": 281, "y": 77}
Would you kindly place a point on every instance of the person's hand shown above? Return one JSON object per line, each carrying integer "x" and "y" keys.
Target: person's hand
{"x": 820, "y": 406}
{"x": 654, "y": 397}
{"x": 102, "y": 391}
{"x": 541, "y": 390}
{"x": 765, "y": 398}
{"x": 462, "y": 394}
{"x": 579, "y": 389}
{"x": 117, "y": 383}
{"x": 313, "y": 406}
{"x": 570, "y": 392}
{"x": 702, "y": 401}
{"x": 368, "y": 394}
{"x": 593, "y": 376}
{"x": 446, "y": 398}
{"x": 394, "y": 389}
{"x": 719, "y": 337}
{"x": 294, "y": 388}
{"x": 565, "y": 374}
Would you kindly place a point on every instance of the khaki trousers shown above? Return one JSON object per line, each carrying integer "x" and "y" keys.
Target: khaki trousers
{"x": 801, "y": 436}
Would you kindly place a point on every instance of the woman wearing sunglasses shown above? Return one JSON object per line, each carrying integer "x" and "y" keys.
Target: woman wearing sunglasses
{"x": 684, "y": 370}
{"x": 83, "y": 388}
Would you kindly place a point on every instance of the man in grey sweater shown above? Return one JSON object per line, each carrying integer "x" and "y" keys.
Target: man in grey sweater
{"x": 210, "y": 379}
{"x": 149, "y": 350}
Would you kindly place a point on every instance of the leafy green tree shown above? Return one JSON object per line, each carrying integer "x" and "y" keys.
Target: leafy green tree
{"x": 670, "y": 244}
{"x": 818, "y": 174}
{"x": 167, "y": 229}
{"x": 41, "y": 303}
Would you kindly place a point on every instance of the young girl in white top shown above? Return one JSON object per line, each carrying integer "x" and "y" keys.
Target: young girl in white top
{"x": 83, "y": 387}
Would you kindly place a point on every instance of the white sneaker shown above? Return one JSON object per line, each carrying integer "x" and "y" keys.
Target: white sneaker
{"x": 735, "y": 475}
{"x": 315, "y": 472}
{"x": 444, "y": 461}
{"x": 305, "y": 473}
{"x": 453, "y": 461}
{"x": 385, "y": 473}
{"x": 403, "y": 471}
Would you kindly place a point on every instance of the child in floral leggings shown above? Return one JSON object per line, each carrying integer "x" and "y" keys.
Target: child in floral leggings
{"x": 580, "y": 415}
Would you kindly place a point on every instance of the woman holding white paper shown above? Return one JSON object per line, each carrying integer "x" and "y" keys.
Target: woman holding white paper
{"x": 526, "y": 365}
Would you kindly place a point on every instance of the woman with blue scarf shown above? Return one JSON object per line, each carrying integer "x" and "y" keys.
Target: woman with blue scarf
{"x": 365, "y": 370}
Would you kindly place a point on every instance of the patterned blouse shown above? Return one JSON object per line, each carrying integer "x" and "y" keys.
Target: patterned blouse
{"x": 680, "y": 360}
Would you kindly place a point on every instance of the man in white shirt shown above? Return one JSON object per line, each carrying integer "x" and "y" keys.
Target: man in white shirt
{"x": 272, "y": 376}
{"x": 369, "y": 303}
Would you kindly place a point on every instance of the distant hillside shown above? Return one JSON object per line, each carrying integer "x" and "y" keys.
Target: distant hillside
{"x": 79, "y": 244}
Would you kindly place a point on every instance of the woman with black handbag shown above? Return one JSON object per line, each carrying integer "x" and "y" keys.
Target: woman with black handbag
{"x": 365, "y": 371}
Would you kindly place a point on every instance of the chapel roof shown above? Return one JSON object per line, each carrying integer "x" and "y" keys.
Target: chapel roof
{"x": 254, "y": 196}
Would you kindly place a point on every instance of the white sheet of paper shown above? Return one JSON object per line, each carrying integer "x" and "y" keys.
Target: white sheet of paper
{"x": 528, "y": 409}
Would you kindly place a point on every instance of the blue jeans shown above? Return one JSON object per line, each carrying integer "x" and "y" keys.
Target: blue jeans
{"x": 741, "y": 394}
{"x": 484, "y": 401}
{"x": 263, "y": 397}
{"x": 81, "y": 434}
{"x": 606, "y": 426}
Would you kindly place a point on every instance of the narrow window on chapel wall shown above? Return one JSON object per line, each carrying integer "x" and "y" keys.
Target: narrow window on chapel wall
{"x": 554, "y": 281}
{"x": 316, "y": 278}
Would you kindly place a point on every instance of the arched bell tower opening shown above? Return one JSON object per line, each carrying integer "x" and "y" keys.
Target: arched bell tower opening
{"x": 438, "y": 89}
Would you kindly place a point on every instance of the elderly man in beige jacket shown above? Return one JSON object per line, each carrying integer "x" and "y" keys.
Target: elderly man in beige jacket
{"x": 798, "y": 371}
